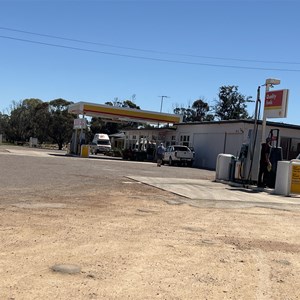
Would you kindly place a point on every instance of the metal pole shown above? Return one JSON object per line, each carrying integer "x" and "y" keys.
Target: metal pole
{"x": 270, "y": 82}
{"x": 161, "y": 105}
{"x": 264, "y": 123}
{"x": 161, "y": 102}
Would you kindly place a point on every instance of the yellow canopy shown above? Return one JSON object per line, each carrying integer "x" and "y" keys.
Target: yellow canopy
{"x": 120, "y": 114}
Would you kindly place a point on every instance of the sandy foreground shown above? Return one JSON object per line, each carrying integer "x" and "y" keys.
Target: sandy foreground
{"x": 131, "y": 242}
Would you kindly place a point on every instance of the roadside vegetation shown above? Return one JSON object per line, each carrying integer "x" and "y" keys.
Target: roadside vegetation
{"x": 51, "y": 123}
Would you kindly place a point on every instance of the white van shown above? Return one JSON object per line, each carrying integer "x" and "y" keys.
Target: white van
{"x": 100, "y": 143}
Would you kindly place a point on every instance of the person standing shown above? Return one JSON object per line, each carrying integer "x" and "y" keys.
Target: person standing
{"x": 160, "y": 153}
{"x": 264, "y": 163}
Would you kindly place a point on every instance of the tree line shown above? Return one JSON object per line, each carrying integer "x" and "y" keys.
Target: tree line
{"x": 231, "y": 105}
{"x": 50, "y": 122}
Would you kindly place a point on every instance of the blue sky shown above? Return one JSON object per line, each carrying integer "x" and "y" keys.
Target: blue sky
{"x": 182, "y": 49}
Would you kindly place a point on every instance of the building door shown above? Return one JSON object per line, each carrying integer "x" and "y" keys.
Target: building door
{"x": 208, "y": 146}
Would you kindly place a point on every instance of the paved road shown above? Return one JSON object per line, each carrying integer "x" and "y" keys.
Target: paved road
{"x": 195, "y": 186}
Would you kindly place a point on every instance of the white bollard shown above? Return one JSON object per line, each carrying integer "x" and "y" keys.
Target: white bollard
{"x": 287, "y": 178}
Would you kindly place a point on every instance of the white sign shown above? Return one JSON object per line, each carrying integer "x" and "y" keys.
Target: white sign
{"x": 79, "y": 123}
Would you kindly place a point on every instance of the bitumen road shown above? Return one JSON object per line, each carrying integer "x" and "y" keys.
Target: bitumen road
{"x": 195, "y": 187}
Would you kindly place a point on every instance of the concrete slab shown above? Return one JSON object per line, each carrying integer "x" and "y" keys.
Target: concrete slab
{"x": 206, "y": 193}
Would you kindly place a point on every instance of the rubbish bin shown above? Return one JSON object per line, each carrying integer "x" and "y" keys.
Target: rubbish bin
{"x": 85, "y": 151}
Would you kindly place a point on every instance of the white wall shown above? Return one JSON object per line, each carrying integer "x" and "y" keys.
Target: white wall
{"x": 207, "y": 146}
{"x": 211, "y": 139}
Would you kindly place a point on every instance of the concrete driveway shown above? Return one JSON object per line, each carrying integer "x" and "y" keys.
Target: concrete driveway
{"x": 209, "y": 193}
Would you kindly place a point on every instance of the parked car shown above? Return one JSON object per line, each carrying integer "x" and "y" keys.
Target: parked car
{"x": 130, "y": 154}
{"x": 180, "y": 155}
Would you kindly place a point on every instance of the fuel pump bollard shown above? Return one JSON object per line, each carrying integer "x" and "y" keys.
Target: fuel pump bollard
{"x": 224, "y": 166}
{"x": 85, "y": 151}
{"x": 288, "y": 178}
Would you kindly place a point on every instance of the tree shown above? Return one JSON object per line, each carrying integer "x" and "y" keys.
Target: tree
{"x": 4, "y": 124}
{"x": 130, "y": 104}
{"x": 231, "y": 104}
{"x": 201, "y": 109}
{"x": 197, "y": 113}
{"x": 38, "y": 118}
{"x": 41, "y": 122}
{"x": 28, "y": 118}
{"x": 188, "y": 114}
{"x": 20, "y": 121}
{"x": 111, "y": 127}
{"x": 125, "y": 104}
{"x": 61, "y": 122}
{"x": 96, "y": 126}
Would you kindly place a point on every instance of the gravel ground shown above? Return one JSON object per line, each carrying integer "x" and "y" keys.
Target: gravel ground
{"x": 128, "y": 240}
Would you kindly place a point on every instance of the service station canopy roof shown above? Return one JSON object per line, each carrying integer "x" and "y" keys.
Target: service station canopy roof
{"x": 120, "y": 114}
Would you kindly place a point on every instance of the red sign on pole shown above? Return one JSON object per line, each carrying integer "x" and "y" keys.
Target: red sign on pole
{"x": 276, "y": 104}
{"x": 273, "y": 99}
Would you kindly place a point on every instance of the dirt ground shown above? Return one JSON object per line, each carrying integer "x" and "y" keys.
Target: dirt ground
{"x": 131, "y": 243}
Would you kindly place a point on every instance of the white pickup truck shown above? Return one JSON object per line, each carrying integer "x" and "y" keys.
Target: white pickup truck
{"x": 179, "y": 155}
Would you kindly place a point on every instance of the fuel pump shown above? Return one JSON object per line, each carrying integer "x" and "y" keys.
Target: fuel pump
{"x": 79, "y": 135}
{"x": 275, "y": 156}
{"x": 247, "y": 162}
{"x": 242, "y": 161}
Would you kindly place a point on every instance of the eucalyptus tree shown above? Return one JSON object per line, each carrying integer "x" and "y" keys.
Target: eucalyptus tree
{"x": 4, "y": 124}
{"x": 231, "y": 104}
{"x": 24, "y": 119}
{"x": 198, "y": 112}
{"x": 61, "y": 122}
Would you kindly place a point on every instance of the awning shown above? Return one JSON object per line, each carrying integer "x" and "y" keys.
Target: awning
{"x": 120, "y": 114}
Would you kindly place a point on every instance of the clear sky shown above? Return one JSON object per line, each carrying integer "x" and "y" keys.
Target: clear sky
{"x": 95, "y": 51}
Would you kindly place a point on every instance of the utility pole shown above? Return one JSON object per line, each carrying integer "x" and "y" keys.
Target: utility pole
{"x": 161, "y": 104}
{"x": 162, "y": 100}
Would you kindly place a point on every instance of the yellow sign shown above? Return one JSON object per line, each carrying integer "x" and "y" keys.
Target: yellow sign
{"x": 295, "y": 180}
{"x": 85, "y": 151}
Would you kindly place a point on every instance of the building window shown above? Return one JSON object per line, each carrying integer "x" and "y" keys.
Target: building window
{"x": 290, "y": 147}
{"x": 185, "y": 140}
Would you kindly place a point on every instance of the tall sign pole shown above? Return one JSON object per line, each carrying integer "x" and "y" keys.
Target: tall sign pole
{"x": 270, "y": 82}
{"x": 264, "y": 122}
